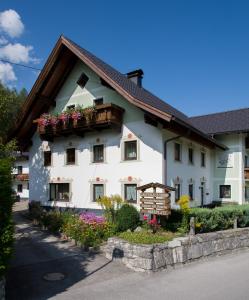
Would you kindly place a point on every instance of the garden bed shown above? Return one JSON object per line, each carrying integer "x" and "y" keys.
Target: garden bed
{"x": 181, "y": 250}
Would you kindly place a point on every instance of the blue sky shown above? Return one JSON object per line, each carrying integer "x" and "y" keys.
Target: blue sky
{"x": 195, "y": 54}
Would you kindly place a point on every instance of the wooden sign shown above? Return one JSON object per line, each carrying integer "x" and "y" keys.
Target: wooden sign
{"x": 155, "y": 203}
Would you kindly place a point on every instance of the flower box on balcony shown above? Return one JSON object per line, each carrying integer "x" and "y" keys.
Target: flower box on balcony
{"x": 78, "y": 121}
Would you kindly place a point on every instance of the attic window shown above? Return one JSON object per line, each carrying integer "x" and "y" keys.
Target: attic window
{"x": 82, "y": 80}
{"x": 72, "y": 106}
{"x": 98, "y": 101}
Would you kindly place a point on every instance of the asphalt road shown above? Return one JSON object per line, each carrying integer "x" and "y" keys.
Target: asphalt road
{"x": 94, "y": 277}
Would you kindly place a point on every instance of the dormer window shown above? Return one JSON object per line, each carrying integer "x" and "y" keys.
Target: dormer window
{"x": 98, "y": 101}
{"x": 69, "y": 107}
{"x": 82, "y": 81}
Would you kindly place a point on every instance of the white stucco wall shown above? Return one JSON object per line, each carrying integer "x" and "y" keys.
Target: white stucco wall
{"x": 185, "y": 173}
{"x": 232, "y": 173}
{"x": 113, "y": 172}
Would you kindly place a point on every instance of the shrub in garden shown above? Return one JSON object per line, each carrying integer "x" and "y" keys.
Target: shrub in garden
{"x": 110, "y": 205}
{"x": 185, "y": 209}
{"x": 6, "y": 224}
{"x": 87, "y": 229}
{"x": 220, "y": 218}
{"x": 52, "y": 220}
{"x": 35, "y": 210}
{"x": 127, "y": 218}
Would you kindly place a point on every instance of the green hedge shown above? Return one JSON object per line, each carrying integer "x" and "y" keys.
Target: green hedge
{"x": 209, "y": 219}
{"x": 127, "y": 218}
{"x": 220, "y": 218}
{"x": 6, "y": 223}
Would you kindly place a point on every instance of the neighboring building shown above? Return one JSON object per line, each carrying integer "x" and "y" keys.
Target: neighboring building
{"x": 21, "y": 176}
{"x": 134, "y": 138}
{"x": 231, "y": 167}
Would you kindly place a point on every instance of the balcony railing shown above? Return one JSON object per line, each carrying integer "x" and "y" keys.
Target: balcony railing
{"x": 103, "y": 116}
{"x": 21, "y": 177}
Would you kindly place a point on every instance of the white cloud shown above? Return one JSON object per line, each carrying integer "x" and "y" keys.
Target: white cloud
{"x": 17, "y": 53}
{"x": 11, "y": 23}
{"x": 7, "y": 73}
{"x": 3, "y": 40}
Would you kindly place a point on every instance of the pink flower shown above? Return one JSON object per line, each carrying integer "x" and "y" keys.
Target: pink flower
{"x": 145, "y": 218}
{"x": 75, "y": 115}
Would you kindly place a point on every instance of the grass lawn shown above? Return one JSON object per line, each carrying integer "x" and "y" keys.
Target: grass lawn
{"x": 145, "y": 237}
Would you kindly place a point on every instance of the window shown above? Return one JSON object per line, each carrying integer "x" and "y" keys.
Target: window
{"x": 98, "y": 191}
{"x": 72, "y": 106}
{"x": 191, "y": 156}
{"x": 98, "y": 153}
{"x": 177, "y": 152}
{"x": 130, "y": 150}
{"x": 47, "y": 158}
{"x": 98, "y": 101}
{"x": 191, "y": 191}
{"x": 203, "y": 159}
{"x": 19, "y": 188}
{"x": 70, "y": 156}
{"x": 82, "y": 81}
{"x": 247, "y": 193}
{"x": 59, "y": 191}
{"x": 27, "y": 185}
{"x": 225, "y": 191}
{"x": 177, "y": 192}
{"x": 246, "y": 162}
{"x": 19, "y": 170}
{"x": 130, "y": 192}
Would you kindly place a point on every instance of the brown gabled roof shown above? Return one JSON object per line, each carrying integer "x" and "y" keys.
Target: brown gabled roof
{"x": 58, "y": 66}
{"x": 234, "y": 121}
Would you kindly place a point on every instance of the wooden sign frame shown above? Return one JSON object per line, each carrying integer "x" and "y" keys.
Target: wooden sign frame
{"x": 155, "y": 203}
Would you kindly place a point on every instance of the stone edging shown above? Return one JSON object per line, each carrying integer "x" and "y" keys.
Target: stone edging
{"x": 178, "y": 251}
{"x": 2, "y": 289}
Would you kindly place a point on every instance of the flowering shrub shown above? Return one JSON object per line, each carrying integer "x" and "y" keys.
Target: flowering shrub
{"x": 64, "y": 116}
{"x": 151, "y": 224}
{"x": 54, "y": 120}
{"x": 87, "y": 229}
{"x": 76, "y": 115}
{"x": 44, "y": 120}
{"x": 110, "y": 205}
{"x": 91, "y": 218}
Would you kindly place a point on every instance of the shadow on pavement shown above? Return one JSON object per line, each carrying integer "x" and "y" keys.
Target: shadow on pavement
{"x": 38, "y": 253}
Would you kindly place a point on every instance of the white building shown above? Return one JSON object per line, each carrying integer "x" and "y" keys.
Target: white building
{"x": 128, "y": 138}
{"x": 21, "y": 176}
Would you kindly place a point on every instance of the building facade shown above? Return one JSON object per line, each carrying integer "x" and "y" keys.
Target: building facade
{"x": 20, "y": 175}
{"x": 128, "y": 138}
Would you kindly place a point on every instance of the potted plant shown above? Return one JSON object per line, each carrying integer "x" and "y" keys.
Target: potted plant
{"x": 89, "y": 113}
{"x": 64, "y": 117}
{"x": 43, "y": 121}
{"x": 75, "y": 115}
{"x": 54, "y": 121}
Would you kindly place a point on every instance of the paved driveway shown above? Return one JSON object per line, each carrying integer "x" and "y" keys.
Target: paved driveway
{"x": 94, "y": 277}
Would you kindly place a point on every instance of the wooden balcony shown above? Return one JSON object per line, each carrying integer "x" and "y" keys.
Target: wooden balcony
{"x": 104, "y": 116}
{"x": 246, "y": 172}
{"x": 21, "y": 177}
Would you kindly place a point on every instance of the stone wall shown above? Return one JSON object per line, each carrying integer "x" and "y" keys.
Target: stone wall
{"x": 178, "y": 251}
{"x": 2, "y": 289}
